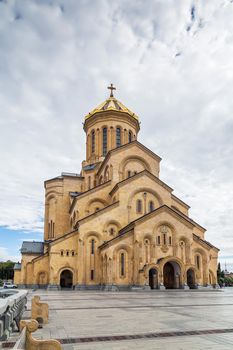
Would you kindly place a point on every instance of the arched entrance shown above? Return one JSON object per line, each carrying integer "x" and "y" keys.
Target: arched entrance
{"x": 171, "y": 275}
{"x": 191, "y": 278}
{"x": 66, "y": 279}
{"x": 153, "y": 279}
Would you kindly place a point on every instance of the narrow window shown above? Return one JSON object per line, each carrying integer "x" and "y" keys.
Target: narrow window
{"x": 151, "y": 206}
{"x": 49, "y": 230}
{"x": 164, "y": 239}
{"x": 158, "y": 240}
{"x": 130, "y": 136}
{"x": 72, "y": 253}
{"x": 89, "y": 182}
{"x": 92, "y": 246}
{"x": 129, "y": 173}
{"x": 62, "y": 253}
{"x": 122, "y": 264}
{"x": 139, "y": 206}
{"x": 92, "y": 275}
{"x": 118, "y": 137}
{"x": 170, "y": 240}
{"x": 198, "y": 261}
{"x": 93, "y": 141}
{"x": 105, "y": 141}
{"x": 67, "y": 253}
{"x": 112, "y": 231}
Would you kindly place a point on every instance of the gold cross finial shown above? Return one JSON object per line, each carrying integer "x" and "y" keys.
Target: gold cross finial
{"x": 111, "y": 87}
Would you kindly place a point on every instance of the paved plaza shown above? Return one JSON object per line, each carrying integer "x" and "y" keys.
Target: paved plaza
{"x": 138, "y": 320}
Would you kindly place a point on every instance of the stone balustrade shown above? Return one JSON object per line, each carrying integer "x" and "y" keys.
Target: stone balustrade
{"x": 39, "y": 311}
{"x": 12, "y": 306}
{"x": 27, "y": 342}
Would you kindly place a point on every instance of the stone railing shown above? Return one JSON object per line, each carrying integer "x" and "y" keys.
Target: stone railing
{"x": 40, "y": 311}
{"x": 12, "y": 306}
{"x": 27, "y": 342}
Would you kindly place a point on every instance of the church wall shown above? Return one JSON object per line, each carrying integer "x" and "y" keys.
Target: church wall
{"x": 131, "y": 191}
{"x": 87, "y": 203}
{"x": 178, "y": 206}
{"x": 57, "y": 204}
{"x": 133, "y": 159}
{"x": 59, "y": 261}
{"x": 111, "y": 256}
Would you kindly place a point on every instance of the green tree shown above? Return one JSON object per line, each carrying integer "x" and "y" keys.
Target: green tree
{"x": 7, "y": 270}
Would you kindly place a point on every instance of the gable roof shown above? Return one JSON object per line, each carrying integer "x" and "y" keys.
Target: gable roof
{"x": 131, "y": 225}
{"x": 82, "y": 194}
{"x": 32, "y": 247}
{"x": 203, "y": 241}
{"x": 96, "y": 213}
{"x": 125, "y": 146}
{"x": 141, "y": 173}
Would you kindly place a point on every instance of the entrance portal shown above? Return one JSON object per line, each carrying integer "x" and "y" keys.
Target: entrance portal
{"x": 153, "y": 279}
{"x": 171, "y": 275}
{"x": 191, "y": 279}
{"x": 66, "y": 279}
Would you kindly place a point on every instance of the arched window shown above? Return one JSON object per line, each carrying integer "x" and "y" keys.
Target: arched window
{"x": 151, "y": 206}
{"x": 170, "y": 240}
{"x": 105, "y": 141}
{"x": 67, "y": 253}
{"x": 93, "y": 141}
{"x": 158, "y": 240}
{"x": 62, "y": 253}
{"x": 129, "y": 173}
{"x": 130, "y": 136}
{"x": 118, "y": 137}
{"x": 72, "y": 253}
{"x": 198, "y": 262}
{"x": 122, "y": 264}
{"x": 112, "y": 231}
{"x": 92, "y": 246}
{"x": 92, "y": 275}
{"x": 139, "y": 206}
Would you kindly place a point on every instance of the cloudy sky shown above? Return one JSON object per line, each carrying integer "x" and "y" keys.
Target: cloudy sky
{"x": 172, "y": 64}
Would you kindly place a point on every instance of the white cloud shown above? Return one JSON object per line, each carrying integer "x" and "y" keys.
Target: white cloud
{"x": 5, "y": 255}
{"x": 174, "y": 69}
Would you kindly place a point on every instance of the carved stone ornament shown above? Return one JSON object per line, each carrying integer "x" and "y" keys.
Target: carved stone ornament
{"x": 164, "y": 248}
{"x": 163, "y": 229}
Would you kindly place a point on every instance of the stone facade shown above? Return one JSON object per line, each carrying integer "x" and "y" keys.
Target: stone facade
{"x": 117, "y": 225}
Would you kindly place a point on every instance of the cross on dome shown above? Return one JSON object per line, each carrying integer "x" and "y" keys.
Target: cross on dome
{"x": 111, "y": 87}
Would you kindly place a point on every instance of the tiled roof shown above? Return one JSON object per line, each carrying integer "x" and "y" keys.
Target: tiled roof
{"x": 111, "y": 104}
{"x": 17, "y": 266}
{"x": 32, "y": 247}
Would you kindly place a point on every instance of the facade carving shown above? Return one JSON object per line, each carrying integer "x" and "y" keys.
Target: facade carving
{"x": 116, "y": 225}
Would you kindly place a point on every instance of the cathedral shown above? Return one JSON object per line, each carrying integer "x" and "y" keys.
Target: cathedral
{"x": 116, "y": 225}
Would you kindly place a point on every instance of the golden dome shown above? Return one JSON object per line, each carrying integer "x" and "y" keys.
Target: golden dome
{"x": 111, "y": 104}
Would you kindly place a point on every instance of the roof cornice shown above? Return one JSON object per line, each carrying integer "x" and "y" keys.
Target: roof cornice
{"x": 88, "y": 192}
{"x": 96, "y": 213}
{"x": 127, "y": 145}
{"x": 141, "y": 173}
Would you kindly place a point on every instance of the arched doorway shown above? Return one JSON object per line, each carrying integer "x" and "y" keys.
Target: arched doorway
{"x": 171, "y": 275}
{"x": 66, "y": 279}
{"x": 191, "y": 278}
{"x": 153, "y": 279}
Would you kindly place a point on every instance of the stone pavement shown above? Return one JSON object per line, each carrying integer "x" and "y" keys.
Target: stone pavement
{"x": 139, "y": 320}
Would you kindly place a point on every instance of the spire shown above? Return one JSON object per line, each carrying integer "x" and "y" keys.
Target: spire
{"x": 111, "y": 87}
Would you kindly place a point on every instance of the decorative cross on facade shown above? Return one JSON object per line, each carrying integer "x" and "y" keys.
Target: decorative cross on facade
{"x": 111, "y": 87}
